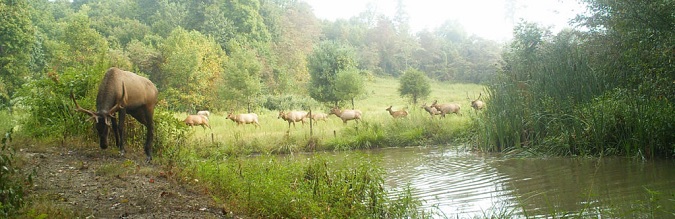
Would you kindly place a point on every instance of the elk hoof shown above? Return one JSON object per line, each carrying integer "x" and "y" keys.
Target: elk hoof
{"x": 148, "y": 159}
{"x": 122, "y": 153}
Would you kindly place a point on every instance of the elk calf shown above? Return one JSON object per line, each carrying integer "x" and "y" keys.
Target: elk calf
{"x": 431, "y": 110}
{"x": 194, "y": 120}
{"x": 397, "y": 114}
{"x": 319, "y": 116}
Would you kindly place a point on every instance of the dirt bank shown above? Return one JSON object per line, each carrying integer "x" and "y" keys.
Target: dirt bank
{"x": 94, "y": 183}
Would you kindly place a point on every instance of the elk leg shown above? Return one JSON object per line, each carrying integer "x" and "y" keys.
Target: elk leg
{"x": 144, "y": 116}
{"x": 119, "y": 133}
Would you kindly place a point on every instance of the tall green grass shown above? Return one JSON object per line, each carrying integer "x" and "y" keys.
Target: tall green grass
{"x": 309, "y": 186}
{"x": 551, "y": 100}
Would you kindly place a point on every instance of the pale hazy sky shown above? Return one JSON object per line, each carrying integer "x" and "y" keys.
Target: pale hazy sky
{"x": 485, "y": 18}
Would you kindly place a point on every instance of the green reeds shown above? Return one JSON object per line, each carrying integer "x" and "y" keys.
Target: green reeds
{"x": 551, "y": 100}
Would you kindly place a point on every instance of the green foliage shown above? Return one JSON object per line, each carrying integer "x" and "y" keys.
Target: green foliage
{"x": 349, "y": 84}
{"x": 192, "y": 64}
{"x": 415, "y": 85}
{"x": 48, "y": 110}
{"x": 18, "y": 37}
{"x": 624, "y": 123}
{"x": 325, "y": 63}
{"x": 562, "y": 94}
{"x": 288, "y": 102}
{"x": 295, "y": 188}
{"x": 12, "y": 181}
{"x": 241, "y": 80}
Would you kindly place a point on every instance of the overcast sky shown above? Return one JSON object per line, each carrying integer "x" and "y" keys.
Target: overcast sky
{"x": 486, "y": 18}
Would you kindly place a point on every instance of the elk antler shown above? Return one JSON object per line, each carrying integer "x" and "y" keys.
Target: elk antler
{"x": 79, "y": 109}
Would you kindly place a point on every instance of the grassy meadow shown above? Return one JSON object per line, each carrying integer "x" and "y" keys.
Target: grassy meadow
{"x": 241, "y": 167}
{"x": 377, "y": 128}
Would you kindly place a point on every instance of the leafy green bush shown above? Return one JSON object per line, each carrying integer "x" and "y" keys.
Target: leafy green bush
{"x": 11, "y": 180}
{"x": 288, "y": 102}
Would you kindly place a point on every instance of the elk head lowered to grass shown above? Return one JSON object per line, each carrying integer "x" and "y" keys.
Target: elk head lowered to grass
{"x": 446, "y": 108}
{"x": 397, "y": 114}
{"x": 346, "y": 115}
{"x": 123, "y": 92}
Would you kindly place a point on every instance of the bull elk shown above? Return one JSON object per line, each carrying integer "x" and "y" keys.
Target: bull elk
{"x": 397, "y": 114}
{"x": 446, "y": 108}
{"x": 346, "y": 115}
{"x": 293, "y": 117}
{"x": 195, "y": 120}
{"x": 123, "y": 92}
{"x": 478, "y": 104}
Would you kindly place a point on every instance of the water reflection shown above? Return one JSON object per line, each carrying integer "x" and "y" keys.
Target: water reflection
{"x": 462, "y": 184}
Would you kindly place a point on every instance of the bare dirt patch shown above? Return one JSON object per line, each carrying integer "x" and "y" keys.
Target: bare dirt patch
{"x": 95, "y": 183}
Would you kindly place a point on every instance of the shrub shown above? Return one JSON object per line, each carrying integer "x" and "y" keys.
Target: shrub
{"x": 11, "y": 180}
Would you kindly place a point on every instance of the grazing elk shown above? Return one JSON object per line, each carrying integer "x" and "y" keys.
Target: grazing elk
{"x": 248, "y": 118}
{"x": 346, "y": 115}
{"x": 123, "y": 92}
{"x": 319, "y": 116}
{"x": 397, "y": 114}
{"x": 478, "y": 104}
{"x": 204, "y": 113}
{"x": 446, "y": 108}
{"x": 431, "y": 110}
{"x": 194, "y": 120}
{"x": 293, "y": 117}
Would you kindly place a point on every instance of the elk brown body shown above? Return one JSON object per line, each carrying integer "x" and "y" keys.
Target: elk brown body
{"x": 346, "y": 115}
{"x": 398, "y": 113}
{"x": 195, "y": 120}
{"x": 446, "y": 108}
{"x": 247, "y": 118}
{"x": 123, "y": 92}
{"x": 293, "y": 117}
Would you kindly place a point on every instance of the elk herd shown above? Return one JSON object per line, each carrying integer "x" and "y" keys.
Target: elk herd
{"x": 125, "y": 92}
{"x": 293, "y": 117}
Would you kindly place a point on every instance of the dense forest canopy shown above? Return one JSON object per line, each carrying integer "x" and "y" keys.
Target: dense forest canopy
{"x": 221, "y": 54}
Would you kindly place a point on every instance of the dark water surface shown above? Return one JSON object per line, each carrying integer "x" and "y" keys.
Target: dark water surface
{"x": 455, "y": 183}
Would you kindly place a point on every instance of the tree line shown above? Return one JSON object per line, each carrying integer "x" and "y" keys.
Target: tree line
{"x": 220, "y": 54}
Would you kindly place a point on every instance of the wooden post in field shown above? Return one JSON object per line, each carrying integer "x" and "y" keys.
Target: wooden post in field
{"x": 311, "y": 127}
{"x": 212, "y": 139}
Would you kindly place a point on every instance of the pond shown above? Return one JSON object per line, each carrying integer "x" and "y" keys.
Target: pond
{"x": 459, "y": 184}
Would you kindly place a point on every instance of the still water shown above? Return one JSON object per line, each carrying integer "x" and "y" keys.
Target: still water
{"x": 459, "y": 184}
